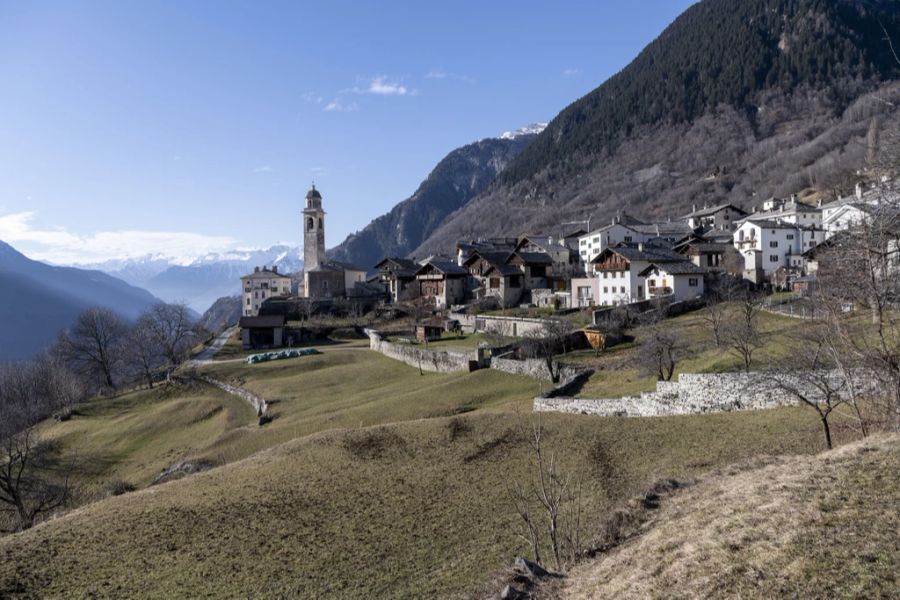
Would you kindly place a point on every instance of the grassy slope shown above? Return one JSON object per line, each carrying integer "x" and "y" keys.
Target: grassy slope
{"x": 825, "y": 526}
{"x": 133, "y": 437}
{"x": 618, "y": 374}
{"x": 396, "y": 511}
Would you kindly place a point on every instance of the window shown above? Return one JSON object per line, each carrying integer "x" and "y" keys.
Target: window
{"x": 310, "y": 224}
{"x": 652, "y": 283}
{"x": 597, "y": 239}
{"x": 622, "y": 289}
{"x": 773, "y": 258}
{"x": 495, "y": 283}
{"x": 627, "y": 238}
{"x": 605, "y": 275}
{"x": 583, "y": 242}
{"x": 790, "y": 236}
{"x": 692, "y": 282}
{"x": 248, "y": 300}
{"x": 773, "y": 244}
{"x": 605, "y": 289}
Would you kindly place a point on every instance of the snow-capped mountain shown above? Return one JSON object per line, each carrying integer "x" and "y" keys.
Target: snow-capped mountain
{"x": 200, "y": 281}
{"x": 532, "y": 129}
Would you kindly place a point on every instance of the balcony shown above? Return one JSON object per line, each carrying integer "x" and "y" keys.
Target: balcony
{"x": 656, "y": 292}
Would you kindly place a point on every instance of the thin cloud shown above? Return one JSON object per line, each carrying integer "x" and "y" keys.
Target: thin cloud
{"x": 338, "y": 105}
{"x": 60, "y": 246}
{"x": 382, "y": 86}
{"x": 312, "y": 97}
{"x": 570, "y": 72}
{"x": 263, "y": 169}
{"x": 441, "y": 74}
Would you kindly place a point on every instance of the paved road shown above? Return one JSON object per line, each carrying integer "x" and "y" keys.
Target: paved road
{"x": 205, "y": 357}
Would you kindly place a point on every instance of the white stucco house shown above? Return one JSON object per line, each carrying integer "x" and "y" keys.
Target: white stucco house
{"x": 769, "y": 245}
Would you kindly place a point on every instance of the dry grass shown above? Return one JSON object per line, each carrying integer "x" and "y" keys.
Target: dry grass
{"x": 402, "y": 511}
{"x": 825, "y": 526}
{"x": 617, "y": 373}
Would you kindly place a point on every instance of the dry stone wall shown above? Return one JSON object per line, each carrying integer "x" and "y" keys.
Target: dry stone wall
{"x": 258, "y": 404}
{"x": 437, "y": 361}
{"x": 692, "y": 393}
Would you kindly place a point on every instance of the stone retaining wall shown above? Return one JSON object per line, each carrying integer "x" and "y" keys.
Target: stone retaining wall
{"x": 534, "y": 367}
{"x": 258, "y": 404}
{"x": 692, "y": 393}
{"x": 437, "y": 361}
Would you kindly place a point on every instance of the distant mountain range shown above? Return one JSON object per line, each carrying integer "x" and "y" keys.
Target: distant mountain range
{"x": 199, "y": 283}
{"x": 456, "y": 179}
{"x": 37, "y": 301}
{"x": 735, "y": 101}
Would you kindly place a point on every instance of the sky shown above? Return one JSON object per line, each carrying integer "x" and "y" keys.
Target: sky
{"x": 179, "y": 128}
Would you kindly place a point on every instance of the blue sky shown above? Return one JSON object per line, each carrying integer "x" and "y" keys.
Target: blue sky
{"x": 181, "y": 127}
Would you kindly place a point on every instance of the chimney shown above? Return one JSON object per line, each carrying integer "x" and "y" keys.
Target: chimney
{"x": 819, "y": 203}
{"x": 859, "y": 191}
{"x": 693, "y": 208}
{"x": 274, "y": 268}
{"x": 256, "y": 269}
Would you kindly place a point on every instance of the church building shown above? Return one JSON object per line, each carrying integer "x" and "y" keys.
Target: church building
{"x": 323, "y": 278}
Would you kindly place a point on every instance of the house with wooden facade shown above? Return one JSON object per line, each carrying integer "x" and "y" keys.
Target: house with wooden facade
{"x": 442, "y": 280}
{"x": 494, "y": 277}
{"x": 397, "y": 275}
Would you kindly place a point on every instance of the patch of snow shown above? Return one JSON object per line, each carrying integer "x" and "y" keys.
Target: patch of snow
{"x": 532, "y": 129}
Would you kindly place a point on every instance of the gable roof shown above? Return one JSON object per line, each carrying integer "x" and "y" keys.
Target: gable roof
{"x": 445, "y": 267}
{"x": 532, "y": 258}
{"x": 675, "y": 228}
{"x": 633, "y": 252}
{"x": 406, "y": 267}
{"x": 711, "y": 210}
{"x": 683, "y": 267}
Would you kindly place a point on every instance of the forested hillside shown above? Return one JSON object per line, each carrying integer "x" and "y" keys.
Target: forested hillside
{"x": 734, "y": 101}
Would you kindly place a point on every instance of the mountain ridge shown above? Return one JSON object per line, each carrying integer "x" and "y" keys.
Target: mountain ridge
{"x": 40, "y": 300}
{"x": 454, "y": 181}
{"x": 733, "y": 102}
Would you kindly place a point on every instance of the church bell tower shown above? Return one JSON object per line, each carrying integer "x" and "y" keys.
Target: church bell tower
{"x": 313, "y": 230}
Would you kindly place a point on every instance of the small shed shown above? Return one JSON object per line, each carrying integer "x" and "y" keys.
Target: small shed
{"x": 262, "y": 332}
{"x": 429, "y": 331}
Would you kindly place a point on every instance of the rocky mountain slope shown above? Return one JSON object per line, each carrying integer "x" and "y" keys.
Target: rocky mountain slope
{"x": 224, "y": 312}
{"x": 458, "y": 178}
{"x": 735, "y": 101}
{"x": 38, "y": 300}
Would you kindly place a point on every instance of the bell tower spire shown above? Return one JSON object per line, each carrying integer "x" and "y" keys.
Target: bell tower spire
{"x": 313, "y": 230}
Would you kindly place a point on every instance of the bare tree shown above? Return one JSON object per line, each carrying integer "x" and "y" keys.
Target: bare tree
{"x": 173, "y": 330}
{"x": 742, "y": 329}
{"x": 547, "y": 341}
{"x": 810, "y": 375}
{"x": 93, "y": 345}
{"x": 717, "y": 310}
{"x": 558, "y": 501}
{"x": 143, "y": 351}
{"x": 659, "y": 352}
{"x": 30, "y": 483}
{"x": 25, "y": 488}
